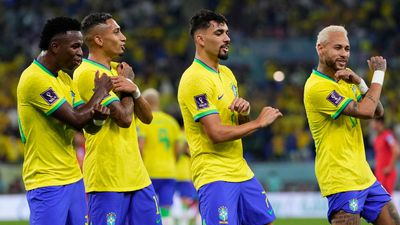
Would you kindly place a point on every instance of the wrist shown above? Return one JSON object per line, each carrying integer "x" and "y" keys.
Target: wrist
{"x": 363, "y": 87}
{"x": 378, "y": 77}
{"x": 99, "y": 123}
{"x": 136, "y": 94}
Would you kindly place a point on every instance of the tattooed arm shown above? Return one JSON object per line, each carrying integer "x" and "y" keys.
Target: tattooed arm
{"x": 369, "y": 107}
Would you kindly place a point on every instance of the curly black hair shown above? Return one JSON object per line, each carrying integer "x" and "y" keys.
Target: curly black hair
{"x": 94, "y": 19}
{"x": 201, "y": 20}
{"x": 55, "y": 26}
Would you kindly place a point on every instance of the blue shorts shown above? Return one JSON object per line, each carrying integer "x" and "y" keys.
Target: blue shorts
{"x": 242, "y": 203}
{"x": 186, "y": 189}
{"x": 368, "y": 202}
{"x": 122, "y": 208}
{"x": 58, "y": 205}
{"x": 165, "y": 189}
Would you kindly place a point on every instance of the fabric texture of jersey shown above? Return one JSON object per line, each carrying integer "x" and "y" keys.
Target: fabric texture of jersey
{"x": 383, "y": 155}
{"x": 368, "y": 202}
{"x": 235, "y": 203}
{"x": 202, "y": 92}
{"x": 340, "y": 160}
{"x": 160, "y": 138}
{"x": 49, "y": 156}
{"x": 112, "y": 161}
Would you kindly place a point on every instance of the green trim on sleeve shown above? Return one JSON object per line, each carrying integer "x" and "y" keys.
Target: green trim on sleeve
{"x": 78, "y": 103}
{"x": 111, "y": 100}
{"x": 337, "y": 113}
{"x": 203, "y": 114}
{"x": 359, "y": 97}
{"x": 58, "y": 105}
{"x": 21, "y": 132}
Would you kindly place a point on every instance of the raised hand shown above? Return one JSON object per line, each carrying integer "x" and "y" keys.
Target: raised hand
{"x": 102, "y": 82}
{"x": 377, "y": 63}
{"x": 348, "y": 75}
{"x": 240, "y": 105}
{"x": 268, "y": 115}
{"x": 126, "y": 71}
{"x": 123, "y": 84}
{"x": 100, "y": 112}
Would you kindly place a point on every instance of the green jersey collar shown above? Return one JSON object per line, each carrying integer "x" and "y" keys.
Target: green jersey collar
{"x": 37, "y": 63}
{"x": 205, "y": 65}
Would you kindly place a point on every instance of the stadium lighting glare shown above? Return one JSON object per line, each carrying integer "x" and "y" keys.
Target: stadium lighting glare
{"x": 279, "y": 76}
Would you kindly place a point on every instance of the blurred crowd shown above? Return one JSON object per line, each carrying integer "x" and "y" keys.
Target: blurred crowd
{"x": 267, "y": 36}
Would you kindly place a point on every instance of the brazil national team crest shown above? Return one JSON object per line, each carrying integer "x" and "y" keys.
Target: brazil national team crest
{"x": 353, "y": 204}
{"x": 111, "y": 217}
{"x": 223, "y": 215}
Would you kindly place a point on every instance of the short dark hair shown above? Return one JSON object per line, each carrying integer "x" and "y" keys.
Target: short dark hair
{"x": 201, "y": 20}
{"x": 94, "y": 19}
{"x": 55, "y": 26}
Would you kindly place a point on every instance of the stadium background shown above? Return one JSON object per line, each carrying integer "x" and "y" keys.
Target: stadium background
{"x": 267, "y": 36}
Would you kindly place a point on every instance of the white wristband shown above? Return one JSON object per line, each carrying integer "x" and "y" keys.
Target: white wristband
{"x": 363, "y": 87}
{"x": 378, "y": 77}
{"x": 245, "y": 113}
{"x": 137, "y": 94}
{"x": 99, "y": 123}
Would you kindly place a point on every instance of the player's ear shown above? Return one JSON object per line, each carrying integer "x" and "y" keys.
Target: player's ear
{"x": 54, "y": 46}
{"x": 98, "y": 40}
{"x": 199, "y": 38}
{"x": 319, "y": 48}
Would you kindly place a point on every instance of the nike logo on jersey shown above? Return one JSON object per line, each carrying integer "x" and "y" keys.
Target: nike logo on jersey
{"x": 219, "y": 97}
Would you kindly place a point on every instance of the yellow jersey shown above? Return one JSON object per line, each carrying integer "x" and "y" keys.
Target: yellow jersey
{"x": 340, "y": 155}
{"x": 203, "y": 91}
{"x": 112, "y": 161}
{"x": 49, "y": 155}
{"x": 160, "y": 138}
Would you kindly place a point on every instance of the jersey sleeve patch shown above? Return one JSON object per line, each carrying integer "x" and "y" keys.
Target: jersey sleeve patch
{"x": 334, "y": 98}
{"x": 49, "y": 96}
{"x": 201, "y": 101}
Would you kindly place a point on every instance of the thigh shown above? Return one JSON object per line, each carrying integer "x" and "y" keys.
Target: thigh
{"x": 143, "y": 207}
{"x": 107, "y": 208}
{"x": 388, "y": 215}
{"x": 218, "y": 203}
{"x": 377, "y": 198}
{"x": 48, "y": 205}
{"x": 77, "y": 213}
{"x": 254, "y": 206}
{"x": 345, "y": 218}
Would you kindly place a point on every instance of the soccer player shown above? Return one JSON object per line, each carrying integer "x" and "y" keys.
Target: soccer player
{"x": 118, "y": 185}
{"x": 387, "y": 152}
{"x": 216, "y": 119}
{"x": 158, "y": 143}
{"x": 334, "y": 106}
{"x": 50, "y": 110}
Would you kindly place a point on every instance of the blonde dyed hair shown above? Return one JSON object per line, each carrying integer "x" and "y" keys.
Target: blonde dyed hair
{"x": 323, "y": 35}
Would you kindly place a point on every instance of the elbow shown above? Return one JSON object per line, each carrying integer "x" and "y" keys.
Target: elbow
{"x": 147, "y": 119}
{"x": 125, "y": 122}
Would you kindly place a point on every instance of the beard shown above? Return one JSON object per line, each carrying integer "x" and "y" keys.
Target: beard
{"x": 332, "y": 64}
{"x": 223, "y": 56}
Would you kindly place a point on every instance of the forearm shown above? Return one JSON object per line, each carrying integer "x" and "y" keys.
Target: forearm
{"x": 122, "y": 113}
{"x": 379, "y": 111}
{"x": 224, "y": 133}
{"x": 142, "y": 110}
{"x": 369, "y": 104}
